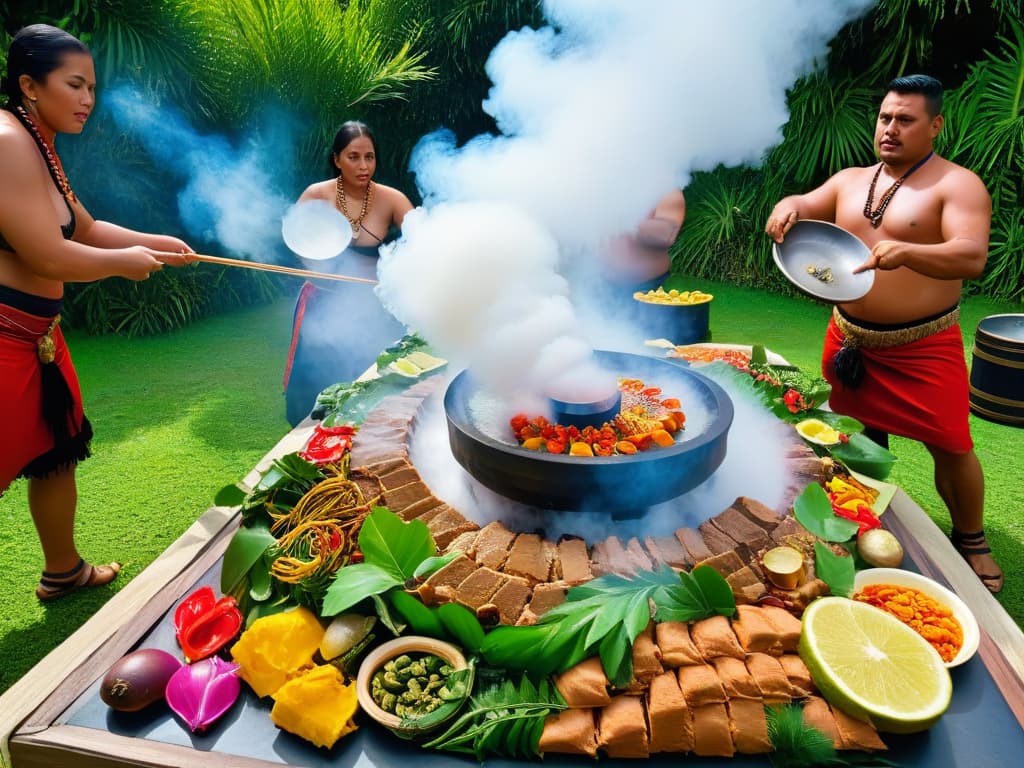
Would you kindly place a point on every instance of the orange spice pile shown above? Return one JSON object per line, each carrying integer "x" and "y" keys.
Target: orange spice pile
{"x": 926, "y": 616}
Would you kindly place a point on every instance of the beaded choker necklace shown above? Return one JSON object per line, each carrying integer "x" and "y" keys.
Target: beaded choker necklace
{"x": 875, "y": 216}
{"x": 48, "y": 152}
{"x": 342, "y": 205}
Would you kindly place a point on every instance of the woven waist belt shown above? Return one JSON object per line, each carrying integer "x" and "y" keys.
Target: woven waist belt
{"x": 873, "y": 338}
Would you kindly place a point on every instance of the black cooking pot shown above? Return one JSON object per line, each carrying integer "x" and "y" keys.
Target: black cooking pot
{"x": 616, "y": 484}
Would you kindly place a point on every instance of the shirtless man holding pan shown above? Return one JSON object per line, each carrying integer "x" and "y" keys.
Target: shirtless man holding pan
{"x": 895, "y": 358}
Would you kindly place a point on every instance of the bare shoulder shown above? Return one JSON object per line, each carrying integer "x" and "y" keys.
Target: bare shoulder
{"x": 393, "y": 201}
{"x": 957, "y": 178}
{"x": 320, "y": 190}
{"x": 390, "y": 194}
{"x": 854, "y": 175}
{"x": 18, "y": 152}
{"x": 15, "y": 143}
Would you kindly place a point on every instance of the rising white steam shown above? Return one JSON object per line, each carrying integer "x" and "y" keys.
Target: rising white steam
{"x": 482, "y": 280}
{"x": 600, "y": 114}
{"x": 604, "y": 111}
{"x": 231, "y": 193}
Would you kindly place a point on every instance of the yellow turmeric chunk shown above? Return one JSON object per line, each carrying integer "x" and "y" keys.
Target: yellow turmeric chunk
{"x": 317, "y": 706}
{"x": 580, "y": 449}
{"x": 277, "y": 648}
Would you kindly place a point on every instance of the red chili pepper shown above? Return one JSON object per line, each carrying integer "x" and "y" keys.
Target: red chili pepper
{"x": 204, "y": 625}
{"x": 328, "y": 445}
{"x": 333, "y": 541}
{"x": 864, "y": 516}
{"x": 844, "y": 438}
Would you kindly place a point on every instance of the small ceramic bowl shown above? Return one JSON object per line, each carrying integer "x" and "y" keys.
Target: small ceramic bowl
{"x": 934, "y": 590}
{"x": 390, "y": 650}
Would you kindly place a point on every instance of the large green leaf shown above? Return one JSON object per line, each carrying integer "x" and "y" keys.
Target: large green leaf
{"x": 463, "y": 625}
{"x": 244, "y": 550}
{"x": 229, "y": 496}
{"x": 716, "y": 591}
{"x": 864, "y": 455}
{"x": 617, "y": 657}
{"x": 813, "y": 510}
{"x": 835, "y": 570}
{"x": 605, "y": 616}
{"x": 354, "y": 583}
{"x": 394, "y": 545}
{"x": 422, "y": 619}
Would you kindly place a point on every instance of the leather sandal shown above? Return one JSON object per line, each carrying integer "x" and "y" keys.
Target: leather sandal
{"x": 972, "y": 545}
{"x": 56, "y": 585}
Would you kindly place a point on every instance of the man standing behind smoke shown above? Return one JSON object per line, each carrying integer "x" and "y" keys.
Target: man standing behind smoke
{"x": 640, "y": 260}
{"x": 627, "y": 263}
{"x": 895, "y": 357}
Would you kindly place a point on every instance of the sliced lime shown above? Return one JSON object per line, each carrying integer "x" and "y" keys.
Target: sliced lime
{"x": 874, "y": 667}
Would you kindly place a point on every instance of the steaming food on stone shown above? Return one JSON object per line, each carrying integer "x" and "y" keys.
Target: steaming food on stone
{"x": 618, "y": 482}
{"x": 645, "y": 420}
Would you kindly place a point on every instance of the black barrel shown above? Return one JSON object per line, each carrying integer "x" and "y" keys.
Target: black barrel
{"x": 997, "y": 369}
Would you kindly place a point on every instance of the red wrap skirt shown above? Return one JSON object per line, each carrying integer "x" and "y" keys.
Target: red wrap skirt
{"x": 917, "y": 390}
{"x": 28, "y": 447}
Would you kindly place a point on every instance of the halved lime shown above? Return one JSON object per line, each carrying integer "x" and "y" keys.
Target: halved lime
{"x": 873, "y": 667}
{"x": 406, "y": 368}
{"x": 424, "y": 361}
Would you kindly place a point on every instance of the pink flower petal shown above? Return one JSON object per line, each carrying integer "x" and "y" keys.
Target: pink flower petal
{"x": 200, "y": 693}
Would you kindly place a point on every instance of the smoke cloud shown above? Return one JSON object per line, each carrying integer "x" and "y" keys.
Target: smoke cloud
{"x": 600, "y": 114}
{"x": 231, "y": 194}
{"x": 616, "y": 102}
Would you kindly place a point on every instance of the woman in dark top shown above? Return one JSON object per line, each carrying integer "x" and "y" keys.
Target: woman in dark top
{"x": 47, "y": 238}
{"x": 339, "y": 329}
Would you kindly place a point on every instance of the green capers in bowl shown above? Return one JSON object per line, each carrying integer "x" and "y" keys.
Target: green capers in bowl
{"x": 413, "y": 684}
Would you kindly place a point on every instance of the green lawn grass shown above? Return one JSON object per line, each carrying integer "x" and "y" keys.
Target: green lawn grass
{"x": 181, "y": 415}
{"x": 176, "y": 418}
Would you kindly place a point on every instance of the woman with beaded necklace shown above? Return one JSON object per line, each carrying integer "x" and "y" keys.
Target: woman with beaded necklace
{"x": 48, "y": 238}
{"x": 339, "y": 329}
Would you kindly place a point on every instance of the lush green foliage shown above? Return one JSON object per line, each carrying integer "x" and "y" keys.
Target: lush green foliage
{"x": 978, "y": 51}
{"x": 224, "y": 66}
{"x": 410, "y": 66}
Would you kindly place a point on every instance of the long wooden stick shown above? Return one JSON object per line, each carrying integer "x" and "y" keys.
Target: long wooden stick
{"x": 278, "y": 268}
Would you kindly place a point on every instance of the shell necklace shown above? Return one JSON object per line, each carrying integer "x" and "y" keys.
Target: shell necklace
{"x": 342, "y": 205}
{"x": 875, "y": 216}
{"x": 48, "y": 152}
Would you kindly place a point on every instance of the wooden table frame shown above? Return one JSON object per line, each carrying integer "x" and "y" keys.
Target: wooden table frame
{"x": 31, "y": 710}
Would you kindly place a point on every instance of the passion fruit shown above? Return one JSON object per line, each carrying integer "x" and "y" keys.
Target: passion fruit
{"x": 138, "y": 679}
{"x": 880, "y": 548}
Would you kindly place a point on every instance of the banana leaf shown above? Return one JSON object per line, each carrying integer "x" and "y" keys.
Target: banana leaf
{"x": 864, "y": 455}
{"x": 244, "y": 550}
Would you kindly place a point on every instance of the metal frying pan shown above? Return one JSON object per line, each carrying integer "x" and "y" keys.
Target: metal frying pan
{"x": 819, "y": 258}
